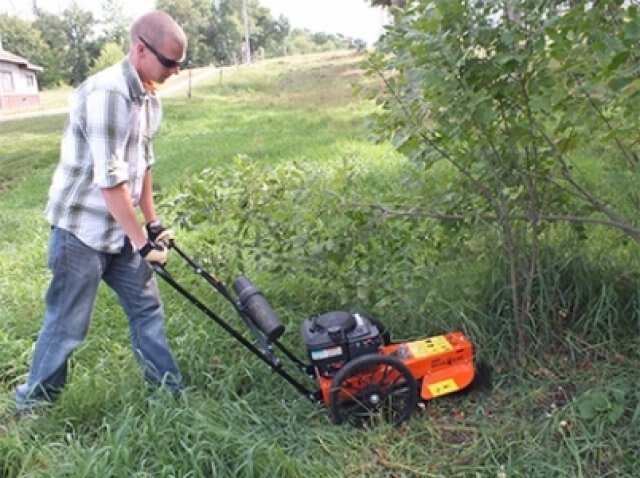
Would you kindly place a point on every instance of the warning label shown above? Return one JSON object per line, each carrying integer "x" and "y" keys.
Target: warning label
{"x": 443, "y": 387}
{"x": 430, "y": 346}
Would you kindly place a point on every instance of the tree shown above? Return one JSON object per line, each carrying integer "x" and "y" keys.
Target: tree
{"x": 279, "y": 32}
{"x": 512, "y": 104}
{"x": 388, "y": 3}
{"x": 110, "y": 54}
{"x": 301, "y": 42}
{"x": 116, "y": 25}
{"x": 224, "y": 33}
{"x": 53, "y": 32}
{"x": 268, "y": 34}
{"x": 19, "y": 37}
{"x": 79, "y": 27}
{"x": 320, "y": 38}
{"x": 193, "y": 16}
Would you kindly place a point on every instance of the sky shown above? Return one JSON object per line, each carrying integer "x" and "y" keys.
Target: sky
{"x": 352, "y": 18}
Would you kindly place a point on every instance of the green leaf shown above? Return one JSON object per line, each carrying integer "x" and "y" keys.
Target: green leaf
{"x": 616, "y": 61}
{"x": 618, "y": 83}
{"x": 616, "y": 412}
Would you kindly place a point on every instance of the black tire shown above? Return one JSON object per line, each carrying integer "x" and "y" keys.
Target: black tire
{"x": 371, "y": 389}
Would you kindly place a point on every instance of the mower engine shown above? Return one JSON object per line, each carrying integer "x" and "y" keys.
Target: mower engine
{"x": 334, "y": 338}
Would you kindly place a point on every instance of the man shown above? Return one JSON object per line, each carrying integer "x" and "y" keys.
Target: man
{"x": 104, "y": 174}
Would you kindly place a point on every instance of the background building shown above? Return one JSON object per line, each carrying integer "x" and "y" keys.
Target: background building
{"x": 18, "y": 81}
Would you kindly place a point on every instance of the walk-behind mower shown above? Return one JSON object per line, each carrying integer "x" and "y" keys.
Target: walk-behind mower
{"x": 359, "y": 373}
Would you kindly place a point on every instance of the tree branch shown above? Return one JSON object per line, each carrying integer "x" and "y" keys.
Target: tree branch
{"x": 389, "y": 212}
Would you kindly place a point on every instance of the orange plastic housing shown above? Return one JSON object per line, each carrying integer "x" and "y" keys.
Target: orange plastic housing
{"x": 443, "y": 363}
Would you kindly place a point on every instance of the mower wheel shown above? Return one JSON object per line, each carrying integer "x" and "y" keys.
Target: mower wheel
{"x": 373, "y": 388}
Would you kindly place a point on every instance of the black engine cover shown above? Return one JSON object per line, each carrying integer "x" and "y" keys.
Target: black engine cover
{"x": 337, "y": 337}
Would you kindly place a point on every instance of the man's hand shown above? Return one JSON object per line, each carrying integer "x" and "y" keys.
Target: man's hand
{"x": 154, "y": 253}
{"x": 159, "y": 234}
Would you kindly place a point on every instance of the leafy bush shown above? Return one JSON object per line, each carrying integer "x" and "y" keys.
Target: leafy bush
{"x": 315, "y": 235}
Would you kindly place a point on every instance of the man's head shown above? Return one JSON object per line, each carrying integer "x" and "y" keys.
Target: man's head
{"x": 158, "y": 46}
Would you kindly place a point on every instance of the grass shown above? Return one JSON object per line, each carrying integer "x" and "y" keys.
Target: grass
{"x": 264, "y": 133}
{"x": 49, "y": 99}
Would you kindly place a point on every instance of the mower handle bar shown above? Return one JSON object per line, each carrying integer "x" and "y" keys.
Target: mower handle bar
{"x": 266, "y": 354}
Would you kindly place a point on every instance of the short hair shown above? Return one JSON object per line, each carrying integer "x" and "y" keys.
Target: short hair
{"x": 155, "y": 27}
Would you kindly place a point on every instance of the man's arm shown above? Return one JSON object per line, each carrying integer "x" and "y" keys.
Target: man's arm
{"x": 118, "y": 201}
{"x": 147, "y": 205}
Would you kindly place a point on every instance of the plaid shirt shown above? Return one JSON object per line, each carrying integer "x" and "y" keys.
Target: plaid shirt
{"x": 107, "y": 141}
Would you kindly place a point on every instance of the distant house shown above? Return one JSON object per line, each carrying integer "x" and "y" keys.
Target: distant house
{"x": 18, "y": 82}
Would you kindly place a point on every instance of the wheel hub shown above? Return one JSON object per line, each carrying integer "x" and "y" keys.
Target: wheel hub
{"x": 373, "y": 396}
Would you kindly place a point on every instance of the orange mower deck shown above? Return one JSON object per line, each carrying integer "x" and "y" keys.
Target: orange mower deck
{"x": 443, "y": 364}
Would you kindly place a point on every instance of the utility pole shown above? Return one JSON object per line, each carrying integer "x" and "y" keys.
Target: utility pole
{"x": 247, "y": 43}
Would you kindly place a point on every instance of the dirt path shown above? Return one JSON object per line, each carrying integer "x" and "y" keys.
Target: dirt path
{"x": 175, "y": 86}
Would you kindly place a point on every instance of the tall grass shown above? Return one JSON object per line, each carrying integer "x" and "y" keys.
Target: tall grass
{"x": 270, "y": 173}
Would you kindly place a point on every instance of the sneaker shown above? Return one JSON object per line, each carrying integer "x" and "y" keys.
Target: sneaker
{"x": 26, "y": 414}
{"x": 32, "y": 410}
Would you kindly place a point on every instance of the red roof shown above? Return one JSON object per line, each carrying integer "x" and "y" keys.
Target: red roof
{"x": 7, "y": 57}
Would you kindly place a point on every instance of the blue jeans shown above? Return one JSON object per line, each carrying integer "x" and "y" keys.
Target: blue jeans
{"x": 77, "y": 273}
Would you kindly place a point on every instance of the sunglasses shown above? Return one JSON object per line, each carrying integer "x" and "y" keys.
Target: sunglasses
{"x": 164, "y": 61}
